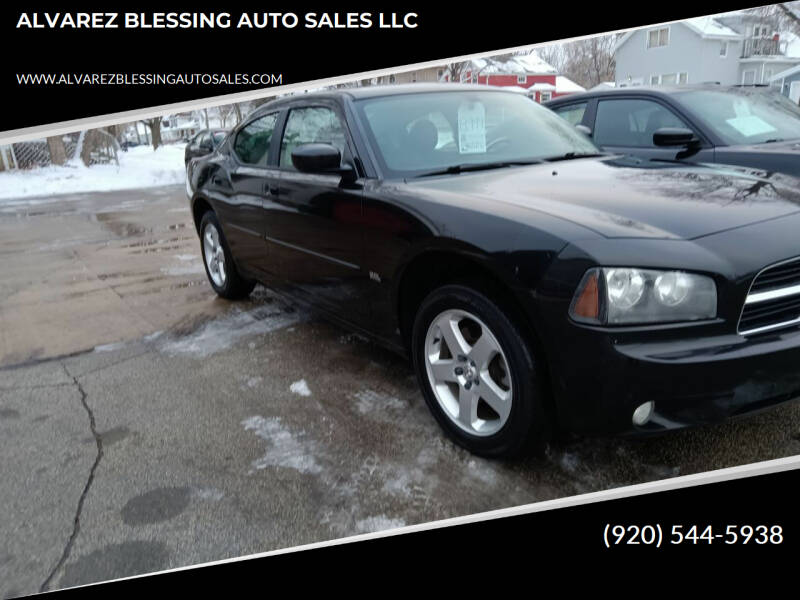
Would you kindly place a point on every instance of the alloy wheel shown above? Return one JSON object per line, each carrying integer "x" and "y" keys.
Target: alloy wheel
{"x": 468, "y": 372}
{"x": 214, "y": 255}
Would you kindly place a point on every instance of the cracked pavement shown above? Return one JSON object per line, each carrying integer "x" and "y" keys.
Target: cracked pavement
{"x": 146, "y": 425}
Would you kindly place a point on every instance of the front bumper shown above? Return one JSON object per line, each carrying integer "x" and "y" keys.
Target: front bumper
{"x": 693, "y": 380}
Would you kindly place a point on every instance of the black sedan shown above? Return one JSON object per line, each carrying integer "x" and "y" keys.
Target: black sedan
{"x": 748, "y": 126}
{"x": 203, "y": 143}
{"x": 535, "y": 283}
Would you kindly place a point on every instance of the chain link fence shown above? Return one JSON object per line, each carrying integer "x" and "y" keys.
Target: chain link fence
{"x": 92, "y": 147}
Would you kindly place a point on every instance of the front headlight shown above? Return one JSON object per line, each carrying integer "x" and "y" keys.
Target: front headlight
{"x": 624, "y": 296}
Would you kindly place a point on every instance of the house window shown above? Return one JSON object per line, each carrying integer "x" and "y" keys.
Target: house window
{"x": 657, "y": 38}
{"x": 760, "y": 31}
{"x": 392, "y": 78}
{"x": 723, "y": 49}
{"x": 522, "y": 79}
{"x": 669, "y": 79}
{"x": 545, "y": 96}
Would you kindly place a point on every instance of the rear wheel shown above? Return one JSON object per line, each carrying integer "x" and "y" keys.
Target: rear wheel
{"x": 220, "y": 268}
{"x": 477, "y": 372}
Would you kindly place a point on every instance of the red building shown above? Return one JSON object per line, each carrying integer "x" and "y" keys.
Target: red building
{"x": 527, "y": 73}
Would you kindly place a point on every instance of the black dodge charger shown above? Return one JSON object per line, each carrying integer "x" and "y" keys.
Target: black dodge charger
{"x": 536, "y": 283}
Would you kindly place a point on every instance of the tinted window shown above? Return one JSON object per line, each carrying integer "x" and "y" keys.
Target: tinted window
{"x": 572, "y": 113}
{"x": 631, "y": 122}
{"x": 745, "y": 116}
{"x": 218, "y": 137}
{"x": 253, "y": 140}
{"x": 311, "y": 125}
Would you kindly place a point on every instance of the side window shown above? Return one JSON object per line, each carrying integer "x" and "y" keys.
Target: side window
{"x": 631, "y": 122}
{"x": 572, "y": 113}
{"x": 253, "y": 140}
{"x": 311, "y": 125}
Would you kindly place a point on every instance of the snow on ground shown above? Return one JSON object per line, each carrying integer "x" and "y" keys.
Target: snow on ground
{"x": 300, "y": 388}
{"x": 287, "y": 449}
{"x": 139, "y": 167}
{"x": 221, "y": 333}
{"x": 379, "y": 523}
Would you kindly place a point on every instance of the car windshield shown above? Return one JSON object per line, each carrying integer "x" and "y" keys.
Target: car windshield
{"x": 418, "y": 134}
{"x": 745, "y": 115}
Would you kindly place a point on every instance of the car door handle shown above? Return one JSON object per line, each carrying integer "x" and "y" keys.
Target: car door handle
{"x": 216, "y": 180}
{"x": 271, "y": 190}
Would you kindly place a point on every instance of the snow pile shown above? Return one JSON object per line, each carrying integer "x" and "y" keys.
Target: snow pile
{"x": 139, "y": 167}
{"x": 300, "y": 388}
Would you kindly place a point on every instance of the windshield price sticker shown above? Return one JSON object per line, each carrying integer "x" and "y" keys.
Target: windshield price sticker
{"x": 750, "y": 125}
{"x": 471, "y": 128}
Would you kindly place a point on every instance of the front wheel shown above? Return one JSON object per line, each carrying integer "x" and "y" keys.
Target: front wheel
{"x": 477, "y": 372}
{"x": 220, "y": 268}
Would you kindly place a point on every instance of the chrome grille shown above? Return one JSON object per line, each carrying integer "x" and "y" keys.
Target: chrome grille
{"x": 773, "y": 301}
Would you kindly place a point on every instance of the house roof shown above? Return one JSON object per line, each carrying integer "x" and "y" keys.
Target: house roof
{"x": 706, "y": 27}
{"x": 521, "y": 65}
{"x": 542, "y": 87}
{"x": 565, "y": 84}
{"x": 709, "y": 27}
{"x": 787, "y": 73}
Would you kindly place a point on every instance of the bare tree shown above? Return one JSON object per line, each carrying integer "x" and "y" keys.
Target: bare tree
{"x": 225, "y": 112}
{"x": 456, "y": 71}
{"x": 782, "y": 16}
{"x": 553, "y": 55}
{"x": 587, "y": 62}
{"x": 155, "y": 131}
{"x": 58, "y": 152}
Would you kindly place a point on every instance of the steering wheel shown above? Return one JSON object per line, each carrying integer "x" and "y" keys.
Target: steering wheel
{"x": 498, "y": 143}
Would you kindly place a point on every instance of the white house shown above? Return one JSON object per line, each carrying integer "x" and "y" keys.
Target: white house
{"x": 788, "y": 82}
{"x": 730, "y": 49}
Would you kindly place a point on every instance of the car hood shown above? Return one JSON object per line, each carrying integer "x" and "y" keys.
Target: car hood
{"x": 618, "y": 197}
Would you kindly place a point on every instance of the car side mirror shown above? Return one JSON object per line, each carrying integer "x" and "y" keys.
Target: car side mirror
{"x": 674, "y": 136}
{"x": 584, "y": 130}
{"x": 322, "y": 159}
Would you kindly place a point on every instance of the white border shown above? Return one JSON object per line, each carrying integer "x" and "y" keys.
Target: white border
{"x": 778, "y": 465}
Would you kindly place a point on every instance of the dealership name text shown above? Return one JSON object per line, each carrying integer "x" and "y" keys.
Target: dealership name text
{"x": 212, "y": 20}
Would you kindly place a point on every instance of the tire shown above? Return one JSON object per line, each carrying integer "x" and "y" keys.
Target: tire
{"x": 220, "y": 268}
{"x": 494, "y": 376}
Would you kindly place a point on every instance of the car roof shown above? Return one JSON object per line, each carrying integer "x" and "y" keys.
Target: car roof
{"x": 378, "y": 91}
{"x": 661, "y": 90}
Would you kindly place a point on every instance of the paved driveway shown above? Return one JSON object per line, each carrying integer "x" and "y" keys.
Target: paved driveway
{"x": 145, "y": 424}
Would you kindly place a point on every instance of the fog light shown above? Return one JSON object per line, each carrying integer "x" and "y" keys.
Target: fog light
{"x": 643, "y": 413}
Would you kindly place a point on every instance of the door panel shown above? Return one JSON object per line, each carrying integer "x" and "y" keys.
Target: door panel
{"x": 313, "y": 224}
{"x": 250, "y": 179}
